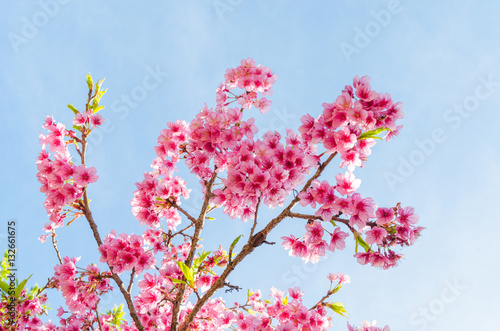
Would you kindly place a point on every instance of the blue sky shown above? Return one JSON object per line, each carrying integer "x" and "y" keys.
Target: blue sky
{"x": 441, "y": 59}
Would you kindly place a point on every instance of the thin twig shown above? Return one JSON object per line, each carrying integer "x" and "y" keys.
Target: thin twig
{"x": 327, "y": 295}
{"x": 315, "y": 217}
{"x": 249, "y": 248}
{"x": 97, "y": 237}
{"x": 199, "y": 224}
{"x": 254, "y": 220}
{"x": 191, "y": 218}
{"x": 131, "y": 282}
{"x": 98, "y": 319}
{"x": 54, "y": 243}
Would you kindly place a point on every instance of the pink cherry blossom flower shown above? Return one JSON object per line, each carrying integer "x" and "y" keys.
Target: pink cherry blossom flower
{"x": 337, "y": 240}
{"x": 347, "y": 183}
{"x": 384, "y": 215}
{"x": 84, "y": 176}
{"x": 375, "y": 236}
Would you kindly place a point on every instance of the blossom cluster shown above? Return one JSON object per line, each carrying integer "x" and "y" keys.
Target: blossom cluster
{"x": 215, "y": 134}
{"x": 312, "y": 246}
{"x": 349, "y": 127}
{"x": 383, "y": 227}
{"x": 262, "y": 170}
{"x": 62, "y": 181}
{"x": 124, "y": 252}
{"x": 238, "y": 172}
{"x": 153, "y": 303}
{"x": 367, "y": 326}
{"x": 26, "y": 309}
{"x": 81, "y": 289}
{"x": 281, "y": 313}
{"x": 252, "y": 79}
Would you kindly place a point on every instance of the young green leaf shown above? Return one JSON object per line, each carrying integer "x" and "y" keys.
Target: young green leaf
{"x": 70, "y": 106}
{"x": 362, "y": 243}
{"x": 96, "y": 109}
{"x": 233, "y": 244}
{"x": 285, "y": 301}
{"x": 5, "y": 265}
{"x": 373, "y": 133}
{"x": 337, "y": 307}
{"x": 177, "y": 281}
{"x": 90, "y": 83}
{"x": 4, "y": 286}
{"x": 117, "y": 313}
{"x": 187, "y": 272}
{"x": 235, "y": 241}
{"x": 337, "y": 288}
{"x": 197, "y": 262}
{"x": 20, "y": 287}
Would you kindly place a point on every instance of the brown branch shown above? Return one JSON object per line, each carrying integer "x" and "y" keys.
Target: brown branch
{"x": 254, "y": 220}
{"x": 327, "y": 295}
{"x": 98, "y": 319}
{"x": 199, "y": 224}
{"x": 116, "y": 278}
{"x": 315, "y": 217}
{"x": 131, "y": 282}
{"x": 54, "y": 243}
{"x": 256, "y": 241}
{"x": 97, "y": 237}
{"x": 191, "y": 218}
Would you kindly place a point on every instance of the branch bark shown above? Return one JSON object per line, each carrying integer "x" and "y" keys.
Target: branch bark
{"x": 97, "y": 237}
{"x": 249, "y": 247}
{"x": 199, "y": 224}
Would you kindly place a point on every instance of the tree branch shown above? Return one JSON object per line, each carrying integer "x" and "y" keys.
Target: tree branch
{"x": 199, "y": 224}
{"x": 97, "y": 237}
{"x": 315, "y": 217}
{"x": 256, "y": 241}
{"x": 255, "y": 219}
{"x": 54, "y": 243}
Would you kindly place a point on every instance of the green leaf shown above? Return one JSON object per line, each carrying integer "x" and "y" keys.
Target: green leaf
{"x": 209, "y": 218}
{"x": 187, "y": 272}
{"x": 117, "y": 313}
{"x": 338, "y": 307}
{"x": 178, "y": 281}
{"x": 197, "y": 262}
{"x": 70, "y": 106}
{"x": 373, "y": 133}
{"x": 233, "y": 244}
{"x": 337, "y": 288}
{"x": 362, "y": 243}
{"x": 20, "y": 287}
{"x": 96, "y": 109}
{"x": 217, "y": 259}
{"x": 5, "y": 265}
{"x": 78, "y": 128}
{"x": 235, "y": 241}
{"x": 90, "y": 83}
{"x": 4, "y": 286}
{"x": 285, "y": 301}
